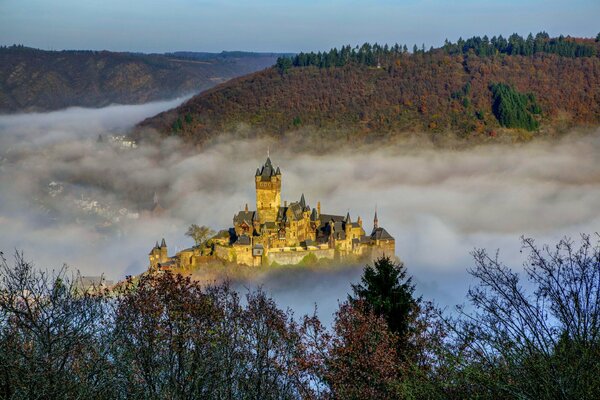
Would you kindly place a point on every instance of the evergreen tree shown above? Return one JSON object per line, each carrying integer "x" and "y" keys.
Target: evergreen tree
{"x": 283, "y": 64}
{"x": 514, "y": 109}
{"x": 387, "y": 291}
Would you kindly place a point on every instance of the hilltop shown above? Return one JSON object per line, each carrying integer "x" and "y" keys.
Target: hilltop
{"x": 39, "y": 80}
{"x": 478, "y": 87}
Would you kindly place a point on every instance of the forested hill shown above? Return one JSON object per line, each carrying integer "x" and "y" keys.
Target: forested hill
{"x": 38, "y": 80}
{"x": 474, "y": 87}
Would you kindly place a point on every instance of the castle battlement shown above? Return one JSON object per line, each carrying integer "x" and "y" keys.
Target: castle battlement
{"x": 279, "y": 234}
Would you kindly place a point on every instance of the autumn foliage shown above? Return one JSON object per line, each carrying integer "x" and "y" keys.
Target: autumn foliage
{"x": 166, "y": 336}
{"x": 435, "y": 91}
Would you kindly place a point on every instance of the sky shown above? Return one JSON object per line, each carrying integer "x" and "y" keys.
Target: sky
{"x": 279, "y": 25}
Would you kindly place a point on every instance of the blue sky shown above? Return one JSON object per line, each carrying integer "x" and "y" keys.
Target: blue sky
{"x": 269, "y": 25}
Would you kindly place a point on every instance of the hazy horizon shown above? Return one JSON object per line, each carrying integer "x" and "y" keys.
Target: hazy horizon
{"x": 285, "y": 26}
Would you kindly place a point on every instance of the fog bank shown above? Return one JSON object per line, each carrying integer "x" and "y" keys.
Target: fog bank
{"x": 65, "y": 198}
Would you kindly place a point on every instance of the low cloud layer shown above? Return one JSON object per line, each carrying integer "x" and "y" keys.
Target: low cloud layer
{"x": 65, "y": 198}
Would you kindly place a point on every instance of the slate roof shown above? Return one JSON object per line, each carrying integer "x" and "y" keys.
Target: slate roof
{"x": 242, "y": 216}
{"x": 329, "y": 217}
{"x": 154, "y": 248}
{"x": 267, "y": 171}
{"x": 296, "y": 209}
{"x": 381, "y": 234}
{"x": 243, "y": 240}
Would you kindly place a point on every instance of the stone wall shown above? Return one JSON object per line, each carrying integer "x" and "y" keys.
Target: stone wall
{"x": 384, "y": 248}
{"x": 295, "y": 257}
{"x": 225, "y": 253}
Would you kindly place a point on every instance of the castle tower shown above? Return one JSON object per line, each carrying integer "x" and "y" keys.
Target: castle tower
{"x": 154, "y": 256}
{"x": 268, "y": 192}
{"x": 348, "y": 223}
{"x": 163, "y": 251}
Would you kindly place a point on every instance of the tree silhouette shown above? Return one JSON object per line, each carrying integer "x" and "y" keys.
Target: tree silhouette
{"x": 388, "y": 292}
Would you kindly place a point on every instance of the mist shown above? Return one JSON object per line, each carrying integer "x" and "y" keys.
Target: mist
{"x": 66, "y": 198}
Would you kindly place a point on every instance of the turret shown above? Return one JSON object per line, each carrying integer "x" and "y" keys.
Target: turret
{"x": 331, "y": 234}
{"x": 314, "y": 222}
{"x": 163, "y": 251}
{"x": 347, "y": 223}
{"x": 375, "y": 221}
{"x": 268, "y": 192}
{"x": 154, "y": 256}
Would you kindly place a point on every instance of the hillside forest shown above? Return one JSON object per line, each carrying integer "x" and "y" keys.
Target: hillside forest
{"x": 473, "y": 88}
{"x": 39, "y": 80}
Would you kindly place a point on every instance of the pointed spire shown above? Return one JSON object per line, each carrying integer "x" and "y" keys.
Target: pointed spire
{"x": 313, "y": 215}
{"x": 375, "y": 220}
{"x": 163, "y": 243}
{"x": 303, "y": 201}
{"x": 266, "y": 170}
{"x": 278, "y": 172}
{"x": 246, "y": 208}
{"x": 156, "y": 245}
{"x": 347, "y": 220}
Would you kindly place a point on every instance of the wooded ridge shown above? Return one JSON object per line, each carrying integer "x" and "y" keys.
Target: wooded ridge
{"x": 39, "y": 80}
{"x": 474, "y": 87}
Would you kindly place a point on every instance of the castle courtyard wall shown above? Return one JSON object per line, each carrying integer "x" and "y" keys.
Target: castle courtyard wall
{"x": 291, "y": 257}
{"x": 387, "y": 248}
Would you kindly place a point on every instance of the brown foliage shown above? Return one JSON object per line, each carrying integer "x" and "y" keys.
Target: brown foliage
{"x": 426, "y": 92}
{"x": 362, "y": 362}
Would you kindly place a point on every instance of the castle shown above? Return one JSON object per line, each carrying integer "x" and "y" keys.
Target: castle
{"x": 281, "y": 234}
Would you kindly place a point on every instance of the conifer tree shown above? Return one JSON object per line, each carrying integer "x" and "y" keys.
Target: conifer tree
{"x": 387, "y": 291}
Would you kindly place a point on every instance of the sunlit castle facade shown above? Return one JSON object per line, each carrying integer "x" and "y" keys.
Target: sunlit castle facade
{"x": 282, "y": 234}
